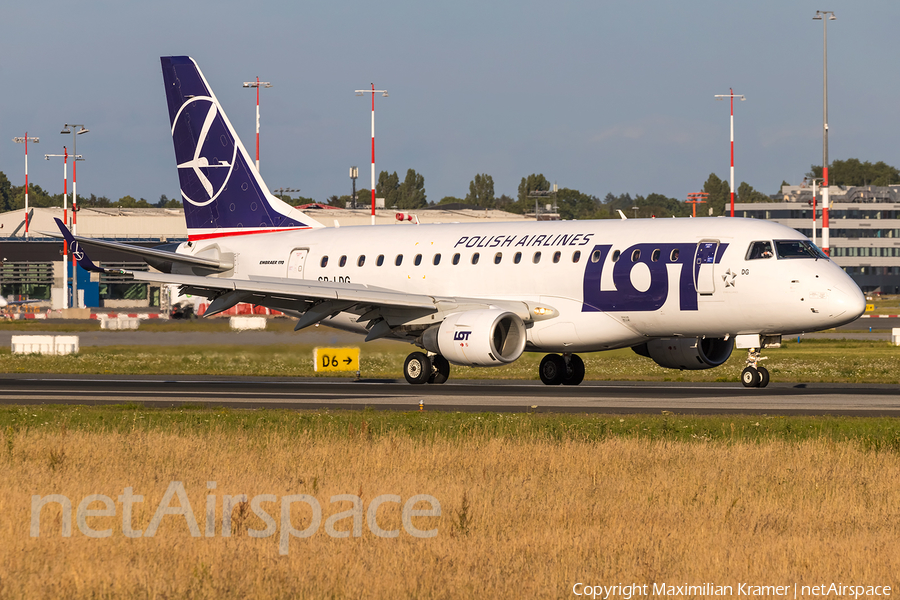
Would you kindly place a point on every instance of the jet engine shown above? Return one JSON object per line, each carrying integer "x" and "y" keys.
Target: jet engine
{"x": 687, "y": 353}
{"x": 481, "y": 338}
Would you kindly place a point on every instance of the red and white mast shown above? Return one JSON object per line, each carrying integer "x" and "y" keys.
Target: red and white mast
{"x": 25, "y": 140}
{"x": 384, "y": 93}
{"x": 731, "y": 96}
{"x": 257, "y": 84}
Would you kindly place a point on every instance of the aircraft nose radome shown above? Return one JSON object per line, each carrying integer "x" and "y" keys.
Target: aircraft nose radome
{"x": 848, "y": 303}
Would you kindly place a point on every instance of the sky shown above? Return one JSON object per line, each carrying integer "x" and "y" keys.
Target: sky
{"x": 599, "y": 96}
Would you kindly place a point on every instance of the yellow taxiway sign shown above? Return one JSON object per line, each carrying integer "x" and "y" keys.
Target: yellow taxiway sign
{"x": 336, "y": 359}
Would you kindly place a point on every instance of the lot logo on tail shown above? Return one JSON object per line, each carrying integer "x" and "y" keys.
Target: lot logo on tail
{"x": 205, "y": 173}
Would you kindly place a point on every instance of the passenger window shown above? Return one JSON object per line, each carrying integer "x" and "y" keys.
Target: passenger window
{"x": 324, "y": 261}
{"x": 456, "y": 258}
{"x": 759, "y": 250}
{"x": 673, "y": 256}
{"x": 595, "y": 256}
{"x": 556, "y": 256}
{"x": 537, "y": 258}
{"x": 418, "y": 260}
{"x": 636, "y": 256}
{"x": 655, "y": 256}
{"x": 399, "y": 260}
{"x": 343, "y": 261}
{"x": 361, "y": 261}
{"x": 576, "y": 256}
{"x": 380, "y": 260}
{"x": 517, "y": 258}
{"x": 475, "y": 258}
{"x": 437, "y": 259}
{"x": 498, "y": 257}
{"x": 616, "y": 255}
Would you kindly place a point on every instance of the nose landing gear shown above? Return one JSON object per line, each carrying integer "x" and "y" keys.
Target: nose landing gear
{"x": 755, "y": 375}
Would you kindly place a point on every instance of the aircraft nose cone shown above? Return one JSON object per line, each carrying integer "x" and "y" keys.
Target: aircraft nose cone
{"x": 848, "y": 303}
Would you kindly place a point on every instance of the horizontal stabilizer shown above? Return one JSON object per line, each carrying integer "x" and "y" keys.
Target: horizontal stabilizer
{"x": 151, "y": 253}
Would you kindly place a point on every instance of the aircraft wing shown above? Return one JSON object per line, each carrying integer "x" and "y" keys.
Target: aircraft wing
{"x": 385, "y": 312}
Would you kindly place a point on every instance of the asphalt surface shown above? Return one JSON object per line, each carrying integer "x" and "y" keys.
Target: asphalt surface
{"x": 495, "y": 396}
{"x": 469, "y": 396}
{"x": 858, "y": 330}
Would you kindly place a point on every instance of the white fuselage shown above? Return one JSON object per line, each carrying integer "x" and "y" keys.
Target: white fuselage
{"x": 692, "y": 277}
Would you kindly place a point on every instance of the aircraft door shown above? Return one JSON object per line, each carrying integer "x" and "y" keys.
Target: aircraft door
{"x": 297, "y": 263}
{"x": 704, "y": 266}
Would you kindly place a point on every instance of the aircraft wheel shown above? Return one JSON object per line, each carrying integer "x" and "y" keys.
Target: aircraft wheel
{"x": 750, "y": 377}
{"x": 575, "y": 371}
{"x": 417, "y": 368}
{"x": 763, "y": 376}
{"x": 553, "y": 369}
{"x": 441, "y": 369}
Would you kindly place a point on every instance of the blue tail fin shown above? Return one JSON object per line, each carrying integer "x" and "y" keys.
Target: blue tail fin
{"x": 222, "y": 192}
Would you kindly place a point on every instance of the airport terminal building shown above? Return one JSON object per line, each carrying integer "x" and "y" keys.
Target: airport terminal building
{"x": 864, "y": 229}
{"x": 32, "y": 268}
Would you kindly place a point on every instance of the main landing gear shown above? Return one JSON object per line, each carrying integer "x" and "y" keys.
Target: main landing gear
{"x": 567, "y": 369}
{"x": 755, "y": 375}
{"x": 421, "y": 368}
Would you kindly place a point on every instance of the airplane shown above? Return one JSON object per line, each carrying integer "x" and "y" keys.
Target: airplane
{"x": 682, "y": 292}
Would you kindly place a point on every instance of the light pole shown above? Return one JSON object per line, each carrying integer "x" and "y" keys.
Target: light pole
{"x": 257, "y": 84}
{"x": 695, "y": 198}
{"x": 731, "y": 95}
{"x": 65, "y": 278}
{"x": 25, "y": 140}
{"x": 384, "y": 93}
{"x": 75, "y": 160}
{"x": 354, "y": 173}
{"x": 821, "y": 16}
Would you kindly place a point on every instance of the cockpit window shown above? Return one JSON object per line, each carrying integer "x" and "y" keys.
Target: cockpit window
{"x": 798, "y": 249}
{"x": 759, "y": 250}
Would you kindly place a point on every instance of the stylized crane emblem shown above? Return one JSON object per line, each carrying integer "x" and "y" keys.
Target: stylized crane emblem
{"x": 199, "y": 163}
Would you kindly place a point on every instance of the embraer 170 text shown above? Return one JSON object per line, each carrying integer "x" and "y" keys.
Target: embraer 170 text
{"x": 682, "y": 292}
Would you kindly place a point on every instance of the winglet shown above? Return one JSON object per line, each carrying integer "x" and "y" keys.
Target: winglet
{"x": 79, "y": 254}
{"x": 621, "y": 214}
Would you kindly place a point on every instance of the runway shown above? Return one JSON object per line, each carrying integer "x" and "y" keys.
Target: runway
{"x": 468, "y": 396}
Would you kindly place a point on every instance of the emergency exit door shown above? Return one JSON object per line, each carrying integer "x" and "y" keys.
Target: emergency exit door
{"x": 704, "y": 266}
{"x": 297, "y": 263}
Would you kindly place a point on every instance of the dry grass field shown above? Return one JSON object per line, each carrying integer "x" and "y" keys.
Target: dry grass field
{"x": 521, "y": 516}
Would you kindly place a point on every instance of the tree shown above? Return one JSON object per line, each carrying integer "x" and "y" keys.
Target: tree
{"x": 481, "y": 191}
{"x": 5, "y": 193}
{"x": 450, "y": 200}
{"x": 130, "y": 202}
{"x": 746, "y": 193}
{"x": 719, "y": 198}
{"x": 660, "y": 206}
{"x": 532, "y": 183}
{"x": 503, "y": 202}
{"x": 615, "y": 203}
{"x": 387, "y": 187}
{"x": 852, "y": 172}
{"x": 573, "y": 204}
{"x": 411, "y": 193}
